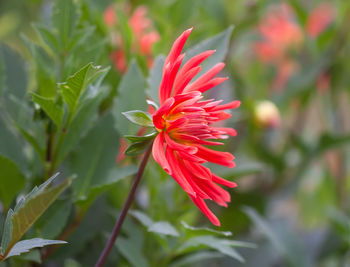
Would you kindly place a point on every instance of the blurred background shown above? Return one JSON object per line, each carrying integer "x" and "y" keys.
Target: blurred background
{"x": 287, "y": 62}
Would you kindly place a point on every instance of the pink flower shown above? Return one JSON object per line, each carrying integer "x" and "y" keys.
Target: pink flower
{"x": 109, "y": 16}
{"x": 144, "y": 36}
{"x": 119, "y": 59}
{"x": 279, "y": 32}
{"x": 319, "y": 19}
{"x": 184, "y": 123}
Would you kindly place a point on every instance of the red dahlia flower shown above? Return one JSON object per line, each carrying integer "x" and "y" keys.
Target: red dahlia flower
{"x": 185, "y": 126}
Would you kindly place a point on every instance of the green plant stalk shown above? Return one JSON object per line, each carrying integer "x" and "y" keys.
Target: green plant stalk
{"x": 117, "y": 227}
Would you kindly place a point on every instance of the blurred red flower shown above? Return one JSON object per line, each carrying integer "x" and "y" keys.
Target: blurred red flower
{"x": 184, "y": 123}
{"x": 144, "y": 37}
{"x": 319, "y": 19}
{"x": 280, "y": 35}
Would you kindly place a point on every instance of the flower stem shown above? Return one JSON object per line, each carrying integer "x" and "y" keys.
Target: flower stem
{"x": 120, "y": 220}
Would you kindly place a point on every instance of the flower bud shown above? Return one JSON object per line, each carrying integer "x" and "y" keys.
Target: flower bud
{"x": 267, "y": 114}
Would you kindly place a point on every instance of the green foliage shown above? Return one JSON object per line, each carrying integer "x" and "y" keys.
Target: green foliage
{"x": 73, "y": 89}
{"x": 131, "y": 95}
{"x": 54, "y": 111}
{"x": 218, "y": 42}
{"x": 11, "y": 180}
{"x": 60, "y": 111}
{"x": 101, "y": 143}
{"x": 139, "y": 117}
{"x": 64, "y": 21}
{"x": 26, "y": 245}
{"x": 25, "y": 213}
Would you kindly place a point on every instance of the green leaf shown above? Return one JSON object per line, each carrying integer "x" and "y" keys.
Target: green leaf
{"x": 33, "y": 141}
{"x": 139, "y": 117}
{"x": 141, "y": 217}
{"x": 10, "y": 145}
{"x": 27, "y": 211}
{"x": 32, "y": 256}
{"x": 45, "y": 69}
{"x": 15, "y": 73}
{"x": 64, "y": 20}
{"x": 135, "y": 138}
{"x": 131, "y": 246}
{"x": 137, "y": 148}
{"x": 223, "y": 246}
{"x": 47, "y": 36}
{"x": 76, "y": 84}
{"x": 2, "y": 76}
{"x": 53, "y": 221}
{"x": 54, "y": 111}
{"x": 26, "y": 245}
{"x": 282, "y": 239}
{"x": 11, "y": 180}
{"x": 101, "y": 143}
{"x": 163, "y": 228}
{"x": 131, "y": 95}
{"x": 218, "y": 42}
{"x": 155, "y": 78}
{"x": 101, "y": 185}
{"x": 82, "y": 122}
{"x": 205, "y": 229}
{"x": 196, "y": 257}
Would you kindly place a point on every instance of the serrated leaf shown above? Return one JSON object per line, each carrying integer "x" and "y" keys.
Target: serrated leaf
{"x": 205, "y": 229}
{"x": 212, "y": 242}
{"x": 81, "y": 123}
{"x": 139, "y": 117}
{"x": 163, "y": 228}
{"x": 26, "y": 245}
{"x": 131, "y": 95}
{"x": 135, "y": 138}
{"x": 54, "y": 111}
{"x": 76, "y": 84}
{"x": 27, "y": 211}
{"x": 155, "y": 76}
{"x": 11, "y": 180}
{"x": 64, "y": 20}
{"x": 218, "y": 42}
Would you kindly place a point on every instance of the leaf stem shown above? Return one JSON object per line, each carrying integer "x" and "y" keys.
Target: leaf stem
{"x": 120, "y": 220}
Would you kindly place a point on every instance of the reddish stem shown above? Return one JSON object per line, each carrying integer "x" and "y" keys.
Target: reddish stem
{"x": 120, "y": 220}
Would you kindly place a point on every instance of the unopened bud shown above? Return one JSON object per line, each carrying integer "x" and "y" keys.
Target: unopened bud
{"x": 267, "y": 114}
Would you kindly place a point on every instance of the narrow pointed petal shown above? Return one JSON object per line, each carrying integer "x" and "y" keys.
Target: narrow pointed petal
{"x": 218, "y": 157}
{"x": 205, "y": 77}
{"x": 222, "y": 181}
{"x": 206, "y": 211}
{"x": 178, "y": 46}
{"x": 158, "y": 152}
